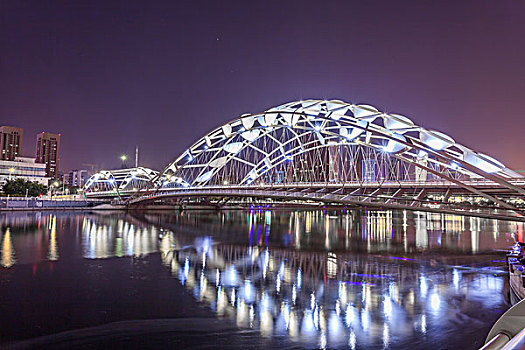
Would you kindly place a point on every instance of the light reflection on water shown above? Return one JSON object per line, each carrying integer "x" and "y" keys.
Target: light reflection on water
{"x": 357, "y": 305}
{"x": 318, "y": 278}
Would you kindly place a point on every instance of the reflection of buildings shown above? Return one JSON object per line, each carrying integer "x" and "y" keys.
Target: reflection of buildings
{"x": 318, "y": 230}
{"x": 19, "y": 219}
{"x": 53, "y": 246}
{"x": 106, "y": 238}
{"x": 29, "y": 236}
{"x": 349, "y": 230}
{"x": 8, "y": 253}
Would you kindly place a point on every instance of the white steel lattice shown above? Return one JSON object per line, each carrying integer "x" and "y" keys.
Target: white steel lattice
{"x": 327, "y": 141}
{"x": 120, "y": 180}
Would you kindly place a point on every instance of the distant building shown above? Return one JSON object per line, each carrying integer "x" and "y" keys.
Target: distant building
{"x": 47, "y": 152}
{"x": 10, "y": 142}
{"x": 77, "y": 178}
{"x": 23, "y": 168}
{"x": 64, "y": 178}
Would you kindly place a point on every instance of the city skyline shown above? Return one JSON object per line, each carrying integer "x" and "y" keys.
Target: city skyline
{"x": 161, "y": 75}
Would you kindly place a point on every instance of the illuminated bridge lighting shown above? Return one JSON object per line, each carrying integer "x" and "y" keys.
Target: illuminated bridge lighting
{"x": 326, "y": 151}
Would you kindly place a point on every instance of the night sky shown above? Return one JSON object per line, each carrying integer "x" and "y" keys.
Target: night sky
{"x": 110, "y": 75}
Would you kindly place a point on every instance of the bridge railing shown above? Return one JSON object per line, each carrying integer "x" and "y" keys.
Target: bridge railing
{"x": 368, "y": 184}
{"x": 316, "y": 196}
{"x": 440, "y": 183}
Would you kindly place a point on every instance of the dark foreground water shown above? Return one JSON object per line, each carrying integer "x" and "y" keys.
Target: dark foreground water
{"x": 251, "y": 279}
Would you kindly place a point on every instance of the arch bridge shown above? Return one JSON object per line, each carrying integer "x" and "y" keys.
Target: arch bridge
{"x": 329, "y": 151}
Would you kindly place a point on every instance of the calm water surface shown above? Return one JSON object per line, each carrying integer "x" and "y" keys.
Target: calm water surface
{"x": 251, "y": 279}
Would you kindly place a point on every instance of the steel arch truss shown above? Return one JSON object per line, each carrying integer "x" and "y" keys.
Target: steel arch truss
{"x": 121, "y": 180}
{"x": 328, "y": 141}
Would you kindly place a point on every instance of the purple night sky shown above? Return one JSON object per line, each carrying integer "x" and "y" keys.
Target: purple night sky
{"x": 110, "y": 75}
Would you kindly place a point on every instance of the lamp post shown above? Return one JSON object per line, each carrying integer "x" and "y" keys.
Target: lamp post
{"x": 123, "y": 158}
{"x": 11, "y": 171}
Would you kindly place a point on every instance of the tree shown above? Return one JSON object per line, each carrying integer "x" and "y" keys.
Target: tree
{"x": 20, "y": 186}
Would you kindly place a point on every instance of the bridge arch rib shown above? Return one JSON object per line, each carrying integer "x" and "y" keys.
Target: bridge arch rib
{"x": 350, "y": 140}
{"x": 115, "y": 182}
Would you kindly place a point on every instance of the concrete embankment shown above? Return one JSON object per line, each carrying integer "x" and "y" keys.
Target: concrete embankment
{"x": 40, "y": 204}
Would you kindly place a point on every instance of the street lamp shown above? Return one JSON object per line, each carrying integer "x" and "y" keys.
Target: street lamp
{"x": 123, "y": 158}
{"x": 11, "y": 171}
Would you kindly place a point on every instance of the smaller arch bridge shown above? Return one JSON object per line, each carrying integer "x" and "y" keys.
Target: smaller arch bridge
{"x": 119, "y": 183}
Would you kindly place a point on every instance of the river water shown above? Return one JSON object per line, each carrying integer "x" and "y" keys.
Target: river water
{"x": 251, "y": 279}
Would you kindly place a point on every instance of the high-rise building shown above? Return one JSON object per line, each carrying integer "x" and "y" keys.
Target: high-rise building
{"x": 10, "y": 142}
{"x": 47, "y": 152}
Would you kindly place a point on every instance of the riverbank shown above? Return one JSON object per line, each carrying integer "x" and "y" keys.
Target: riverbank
{"x": 32, "y": 204}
